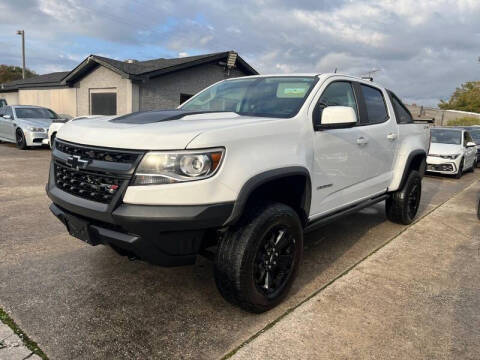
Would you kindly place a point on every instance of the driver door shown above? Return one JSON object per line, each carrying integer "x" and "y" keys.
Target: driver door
{"x": 340, "y": 156}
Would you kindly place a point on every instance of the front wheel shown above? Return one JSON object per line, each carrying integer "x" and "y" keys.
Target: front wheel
{"x": 258, "y": 259}
{"x": 20, "y": 139}
{"x": 402, "y": 206}
{"x": 460, "y": 170}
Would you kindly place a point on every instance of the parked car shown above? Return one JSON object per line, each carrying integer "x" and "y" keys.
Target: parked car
{"x": 58, "y": 123}
{"x": 475, "y": 134}
{"x": 3, "y": 102}
{"x": 247, "y": 165}
{"x": 25, "y": 125}
{"x": 452, "y": 151}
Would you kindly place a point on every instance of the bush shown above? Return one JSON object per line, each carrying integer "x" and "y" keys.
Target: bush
{"x": 464, "y": 121}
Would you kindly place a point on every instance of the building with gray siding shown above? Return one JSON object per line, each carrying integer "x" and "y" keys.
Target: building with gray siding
{"x": 100, "y": 85}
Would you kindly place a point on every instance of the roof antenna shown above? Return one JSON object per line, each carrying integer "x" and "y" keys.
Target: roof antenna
{"x": 335, "y": 71}
{"x": 369, "y": 75}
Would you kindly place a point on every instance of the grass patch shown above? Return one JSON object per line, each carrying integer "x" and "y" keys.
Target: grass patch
{"x": 464, "y": 121}
{"x": 29, "y": 343}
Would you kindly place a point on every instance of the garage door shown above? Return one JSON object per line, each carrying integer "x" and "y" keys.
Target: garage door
{"x": 104, "y": 103}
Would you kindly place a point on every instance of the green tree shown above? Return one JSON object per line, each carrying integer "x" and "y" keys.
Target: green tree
{"x": 11, "y": 73}
{"x": 465, "y": 98}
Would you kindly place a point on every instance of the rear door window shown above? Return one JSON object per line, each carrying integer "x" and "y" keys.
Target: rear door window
{"x": 375, "y": 105}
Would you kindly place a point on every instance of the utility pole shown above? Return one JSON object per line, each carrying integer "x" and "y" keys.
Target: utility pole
{"x": 22, "y": 32}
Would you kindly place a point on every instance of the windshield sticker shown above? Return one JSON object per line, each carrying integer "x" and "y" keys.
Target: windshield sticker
{"x": 292, "y": 90}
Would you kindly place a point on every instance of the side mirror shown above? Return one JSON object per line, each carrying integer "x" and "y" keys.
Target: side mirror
{"x": 338, "y": 116}
{"x": 8, "y": 117}
{"x": 471, "y": 144}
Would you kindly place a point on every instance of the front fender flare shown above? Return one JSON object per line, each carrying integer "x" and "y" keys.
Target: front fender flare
{"x": 264, "y": 177}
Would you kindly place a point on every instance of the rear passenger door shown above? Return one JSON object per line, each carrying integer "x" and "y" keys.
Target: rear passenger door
{"x": 380, "y": 131}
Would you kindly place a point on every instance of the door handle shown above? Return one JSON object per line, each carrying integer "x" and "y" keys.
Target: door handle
{"x": 362, "y": 141}
{"x": 391, "y": 136}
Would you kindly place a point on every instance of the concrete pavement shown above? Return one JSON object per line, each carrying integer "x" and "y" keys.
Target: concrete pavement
{"x": 416, "y": 298}
{"x": 83, "y": 302}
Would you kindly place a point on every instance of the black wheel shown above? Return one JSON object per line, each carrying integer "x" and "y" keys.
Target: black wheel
{"x": 258, "y": 259}
{"x": 52, "y": 140}
{"x": 20, "y": 140}
{"x": 402, "y": 206}
{"x": 460, "y": 170}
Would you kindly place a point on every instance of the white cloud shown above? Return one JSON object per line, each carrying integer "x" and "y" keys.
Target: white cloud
{"x": 424, "y": 48}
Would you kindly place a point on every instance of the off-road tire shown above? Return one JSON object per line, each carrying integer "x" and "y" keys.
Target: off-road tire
{"x": 20, "y": 141}
{"x": 236, "y": 261}
{"x": 400, "y": 207}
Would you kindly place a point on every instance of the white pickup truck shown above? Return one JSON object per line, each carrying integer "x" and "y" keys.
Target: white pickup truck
{"x": 245, "y": 166}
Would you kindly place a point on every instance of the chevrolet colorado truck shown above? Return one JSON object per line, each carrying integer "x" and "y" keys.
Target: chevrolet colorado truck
{"x": 245, "y": 168}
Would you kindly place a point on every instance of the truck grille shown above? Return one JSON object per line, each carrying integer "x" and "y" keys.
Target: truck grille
{"x": 89, "y": 153}
{"x": 88, "y": 185}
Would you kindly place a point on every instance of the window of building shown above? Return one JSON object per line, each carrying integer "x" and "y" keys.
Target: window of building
{"x": 184, "y": 97}
{"x": 103, "y": 103}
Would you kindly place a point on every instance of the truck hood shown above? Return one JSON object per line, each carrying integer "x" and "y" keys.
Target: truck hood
{"x": 168, "y": 133}
{"x": 43, "y": 123}
{"x": 445, "y": 149}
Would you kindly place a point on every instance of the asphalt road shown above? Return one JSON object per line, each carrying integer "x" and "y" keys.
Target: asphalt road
{"x": 83, "y": 302}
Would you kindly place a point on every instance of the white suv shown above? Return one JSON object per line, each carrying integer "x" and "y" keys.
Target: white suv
{"x": 246, "y": 166}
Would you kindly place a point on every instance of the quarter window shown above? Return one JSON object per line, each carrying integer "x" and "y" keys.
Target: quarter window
{"x": 375, "y": 103}
{"x": 401, "y": 112}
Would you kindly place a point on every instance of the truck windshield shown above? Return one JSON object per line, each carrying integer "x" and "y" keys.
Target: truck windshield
{"x": 446, "y": 136}
{"x": 279, "y": 97}
{"x": 35, "y": 113}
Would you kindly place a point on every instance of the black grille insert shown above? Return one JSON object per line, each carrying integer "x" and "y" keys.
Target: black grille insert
{"x": 88, "y": 185}
{"x": 96, "y": 154}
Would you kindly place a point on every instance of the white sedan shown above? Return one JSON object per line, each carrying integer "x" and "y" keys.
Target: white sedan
{"x": 25, "y": 125}
{"x": 452, "y": 151}
{"x": 57, "y": 124}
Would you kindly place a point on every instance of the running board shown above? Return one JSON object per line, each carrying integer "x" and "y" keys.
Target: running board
{"x": 315, "y": 224}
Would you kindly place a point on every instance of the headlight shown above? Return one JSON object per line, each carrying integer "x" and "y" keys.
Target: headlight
{"x": 158, "y": 167}
{"x": 451, "y": 157}
{"x": 35, "y": 129}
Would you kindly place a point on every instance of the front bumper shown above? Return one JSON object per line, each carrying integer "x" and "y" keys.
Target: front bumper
{"x": 169, "y": 235}
{"x": 35, "y": 138}
{"x": 442, "y": 166}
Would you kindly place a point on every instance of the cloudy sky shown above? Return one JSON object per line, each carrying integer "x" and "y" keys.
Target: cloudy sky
{"x": 423, "y": 49}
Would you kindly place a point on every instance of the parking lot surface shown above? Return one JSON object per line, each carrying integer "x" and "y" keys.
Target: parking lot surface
{"x": 83, "y": 302}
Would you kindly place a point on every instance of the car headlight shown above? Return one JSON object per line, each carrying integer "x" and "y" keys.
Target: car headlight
{"x": 163, "y": 167}
{"x": 36, "y": 129}
{"x": 450, "y": 157}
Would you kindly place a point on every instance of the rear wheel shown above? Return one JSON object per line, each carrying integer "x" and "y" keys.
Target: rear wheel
{"x": 20, "y": 139}
{"x": 258, "y": 259}
{"x": 402, "y": 206}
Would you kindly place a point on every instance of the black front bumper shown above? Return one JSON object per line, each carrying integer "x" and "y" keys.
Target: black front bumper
{"x": 161, "y": 235}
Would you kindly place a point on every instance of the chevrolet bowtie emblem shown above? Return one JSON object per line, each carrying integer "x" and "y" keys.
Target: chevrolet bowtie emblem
{"x": 77, "y": 163}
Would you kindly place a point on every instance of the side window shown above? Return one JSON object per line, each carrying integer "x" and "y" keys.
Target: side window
{"x": 375, "y": 104}
{"x": 467, "y": 138}
{"x": 338, "y": 93}
{"x": 401, "y": 112}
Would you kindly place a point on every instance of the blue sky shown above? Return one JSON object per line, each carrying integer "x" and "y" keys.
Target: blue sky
{"x": 423, "y": 49}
